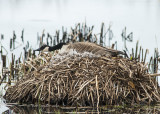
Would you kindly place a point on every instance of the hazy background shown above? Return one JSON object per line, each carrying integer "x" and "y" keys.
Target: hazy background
{"x": 142, "y": 17}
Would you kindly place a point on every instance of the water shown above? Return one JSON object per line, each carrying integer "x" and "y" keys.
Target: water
{"x": 139, "y": 16}
{"x": 3, "y": 106}
{"x": 32, "y": 109}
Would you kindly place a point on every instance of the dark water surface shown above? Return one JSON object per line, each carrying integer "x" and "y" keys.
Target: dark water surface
{"x": 32, "y": 109}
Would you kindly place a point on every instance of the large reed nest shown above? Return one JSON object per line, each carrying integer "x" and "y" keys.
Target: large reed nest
{"x": 84, "y": 80}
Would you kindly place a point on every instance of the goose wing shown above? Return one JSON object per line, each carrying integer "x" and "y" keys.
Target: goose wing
{"x": 93, "y": 48}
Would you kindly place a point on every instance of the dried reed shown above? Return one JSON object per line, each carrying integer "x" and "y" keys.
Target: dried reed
{"x": 83, "y": 80}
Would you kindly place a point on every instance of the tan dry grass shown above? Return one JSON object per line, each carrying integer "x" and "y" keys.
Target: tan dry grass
{"x": 81, "y": 81}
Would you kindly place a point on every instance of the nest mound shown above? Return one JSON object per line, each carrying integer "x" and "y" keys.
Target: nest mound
{"x": 80, "y": 80}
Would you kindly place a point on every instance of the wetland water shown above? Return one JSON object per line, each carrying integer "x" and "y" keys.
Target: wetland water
{"x": 32, "y": 109}
{"x": 139, "y": 16}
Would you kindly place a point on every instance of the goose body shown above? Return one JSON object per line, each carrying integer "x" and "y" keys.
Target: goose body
{"x": 82, "y": 47}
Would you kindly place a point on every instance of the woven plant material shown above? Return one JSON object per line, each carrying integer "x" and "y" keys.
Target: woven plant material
{"x": 84, "y": 80}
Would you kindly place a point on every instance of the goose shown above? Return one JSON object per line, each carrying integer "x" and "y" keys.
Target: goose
{"x": 81, "y": 47}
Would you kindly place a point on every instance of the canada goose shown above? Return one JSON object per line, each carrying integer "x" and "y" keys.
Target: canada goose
{"x": 81, "y": 47}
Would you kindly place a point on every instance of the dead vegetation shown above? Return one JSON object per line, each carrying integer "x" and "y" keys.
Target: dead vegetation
{"x": 84, "y": 81}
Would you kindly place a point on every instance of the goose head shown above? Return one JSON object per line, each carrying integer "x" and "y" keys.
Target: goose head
{"x": 46, "y": 48}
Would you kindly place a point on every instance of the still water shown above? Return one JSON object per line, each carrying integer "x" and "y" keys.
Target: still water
{"x": 139, "y": 16}
{"x": 32, "y": 109}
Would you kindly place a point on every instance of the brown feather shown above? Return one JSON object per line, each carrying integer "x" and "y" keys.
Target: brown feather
{"x": 94, "y": 48}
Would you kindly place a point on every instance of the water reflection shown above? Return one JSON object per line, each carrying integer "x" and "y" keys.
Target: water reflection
{"x": 31, "y": 109}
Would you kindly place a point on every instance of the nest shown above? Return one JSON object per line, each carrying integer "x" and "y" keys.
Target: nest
{"x": 84, "y": 80}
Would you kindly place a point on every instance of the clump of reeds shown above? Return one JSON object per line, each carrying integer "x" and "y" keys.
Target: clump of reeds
{"x": 84, "y": 80}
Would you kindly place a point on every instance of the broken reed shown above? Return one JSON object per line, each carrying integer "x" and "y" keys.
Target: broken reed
{"x": 79, "y": 33}
{"x": 141, "y": 57}
{"x": 12, "y": 74}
